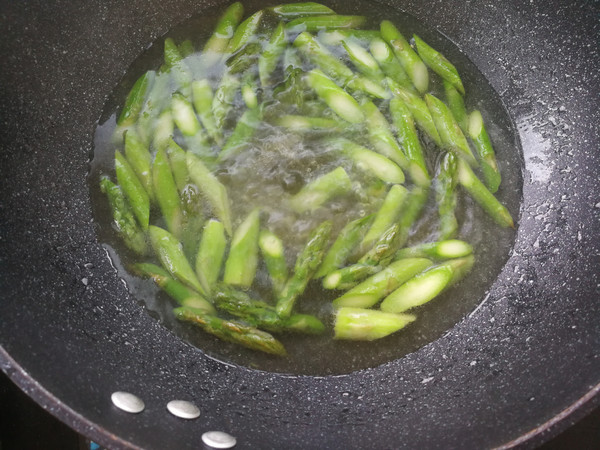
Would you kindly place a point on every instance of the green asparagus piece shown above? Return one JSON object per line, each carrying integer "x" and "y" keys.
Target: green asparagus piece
{"x": 224, "y": 30}
{"x": 242, "y": 133}
{"x": 177, "y": 159}
{"x": 155, "y": 103}
{"x": 135, "y": 99}
{"x": 273, "y": 253}
{"x": 176, "y": 290}
{"x": 210, "y": 254}
{"x": 359, "y": 324}
{"x": 134, "y": 191}
{"x": 163, "y": 129}
{"x": 335, "y": 37}
{"x": 245, "y": 32}
{"x": 445, "y": 193}
{"x": 383, "y": 248}
{"x": 303, "y": 9}
{"x": 223, "y": 99}
{"x": 440, "y": 250}
{"x": 423, "y": 287}
{"x": 263, "y": 315}
{"x": 348, "y": 238}
{"x": 487, "y": 157}
{"x": 321, "y": 190}
{"x": 483, "y": 196}
{"x": 139, "y": 159}
{"x": 212, "y": 189}
{"x": 307, "y": 263}
{"x": 373, "y": 289}
{"x": 387, "y": 214}
{"x": 414, "y": 205}
{"x": 362, "y": 59}
{"x": 363, "y": 85}
{"x": 169, "y": 251}
{"x": 325, "y": 22}
{"x": 388, "y": 62}
{"x": 451, "y": 135}
{"x": 123, "y": 217}
{"x": 456, "y": 104}
{"x": 232, "y": 331}
{"x": 304, "y": 123}
{"x": 369, "y": 161}
{"x": 292, "y": 91}
{"x": 177, "y": 67}
{"x": 268, "y": 59}
{"x": 250, "y": 90}
{"x": 350, "y": 276}
{"x": 462, "y": 269}
{"x": 184, "y": 116}
{"x": 203, "y": 99}
{"x": 418, "y": 109}
{"x": 240, "y": 266}
{"x": 438, "y": 63}
{"x": 380, "y": 135}
{"x": 193, "y": 218}
{"x": 186, "y": 48}
{"x": 167, "y": 194}
{"x": 310, "y": 47}
{"x": 409, "y": 138}
{"x": 412, "y": 64}
{"x": 244, "y": 58}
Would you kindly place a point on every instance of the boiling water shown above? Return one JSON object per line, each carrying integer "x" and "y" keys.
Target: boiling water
{"x": 276, "y": 164}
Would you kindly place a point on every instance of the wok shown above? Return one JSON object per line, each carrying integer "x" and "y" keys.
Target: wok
{"x": 522, "y": 366}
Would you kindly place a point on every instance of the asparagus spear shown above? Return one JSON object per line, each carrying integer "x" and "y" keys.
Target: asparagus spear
{"x": 307, "y": 263}
{"x": 134, "y": 191}
{"x": 240, "y": 266}
{"x": 414, "y": 205}
{"x": 448, "y": 249}
{"x": 438, "y": 63}
{"x": 231, "y": 331}
{"x": 418, "y": 109}
{"x": 380, "y": 134}
{"x": 267, "y": 61}
{"x": 169, "y": 251}
{"x": 224, "y": 30}
{"x": 210, "y": 254}
{"x": 179, "y": 70}
{"x": 223, "y": 99}
{"x": 244, "y": 58}
{"x": 212, "y": 189}
{"x": 325, "y": 22}
{"x": 139, "y": 159}
{"x": 483, "y": 196}
{"x": 123, "y": 217}
{"x": 373, "y": 289}
{"x": 335, "y": 97}
{"x": 177, "y": 159}
{"x": 273, "y": 254}
{"x": 388, "y": 62}
{"x": 263, "y": 315}
{"x": 383, "y": 248}
{"x": 487, "y": 157}
{"x": 387, "y": 214}
{"x": 250, "y": 90}
{"x": 314, "y": 51}
{"x": 321, "y": 190}
{"x": 293, "y": 10}
{"x": 367, "y": 325}
{"x": 342, "y": 248}
{"x": 367, "y": 160}
{"x": 304, "y": 123}
{"x": 203, "y": 99}
{"x": 456, "y": 104}
{"x": 407, "y": 134}
{"x": 135, "y": 99}
{"x": 412, "y": 64}
{"x": 451, "y": 135}
{"x": 185, "y": 117}
{"x": 362, "y": 59}
{"x": 445, "y": 194}
{"x": 154, "y": 105}
{"x": 349, "y": 276}
{"x": 163, "y": 129}
{"x": 167, "y": 194}
{"x": 176, "y": 290}
{"x": 245, "y": 32}
{"x": 423, "y": 287}
{"x": 243, "y": 131}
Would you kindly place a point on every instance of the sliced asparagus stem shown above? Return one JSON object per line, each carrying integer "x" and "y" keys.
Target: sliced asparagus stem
{"x": 224, "y": 30}
{"x": 387, "y": 214}
{"x": 448, "y": 249}
{"x": 241, "y": 264}
{"x": 456, "y": 104}
{"x": 373, "y": 289}
{"x": 211, "y": 253}
{"x": 367, "y": 325}
{"x": 203, "y": 99}
{"x": 273, "y": 254}
{"x": 445, "y": 193}
{"x": 362, "y": 59}
{"x": 167, "y": 194}
{"x": 245, "y": 32}
{"x": 321, "y": 190}
{"x": 336, "y": 98}
{"x": 349, "y": 276}
{"x": 483, "y": 145}
{"x": 439, "y": 64}
{"x": 135, "y": 99}
{"x": 302, "y": 9}
{"x": 307, "y": 263}
{"x": 134, "y": 191}
{"x": 388, "y": 62}
{"x": 268, "y": 59}
{"x": 325, "y": 22}
{"x": 139, "y": 158}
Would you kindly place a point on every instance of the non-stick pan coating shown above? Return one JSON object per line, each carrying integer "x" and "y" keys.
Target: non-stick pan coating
{"x": 70, "y": 334}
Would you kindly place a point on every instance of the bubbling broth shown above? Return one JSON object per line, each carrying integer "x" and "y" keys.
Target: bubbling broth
{"x": 273, "y": 163}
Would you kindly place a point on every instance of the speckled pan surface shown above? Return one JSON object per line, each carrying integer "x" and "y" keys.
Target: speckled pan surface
{"x": 70, "y": 334}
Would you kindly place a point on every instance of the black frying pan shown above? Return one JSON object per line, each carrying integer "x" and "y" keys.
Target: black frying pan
{"x": 522, "y": 366}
